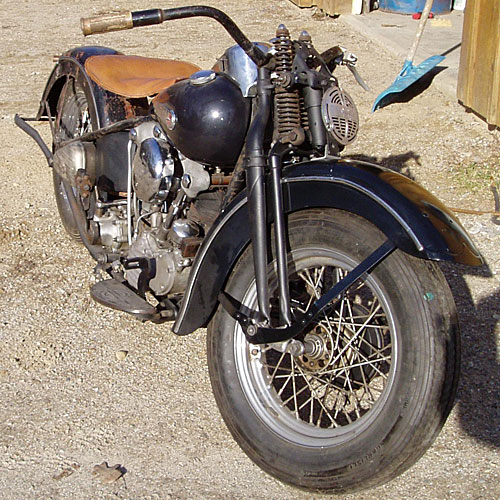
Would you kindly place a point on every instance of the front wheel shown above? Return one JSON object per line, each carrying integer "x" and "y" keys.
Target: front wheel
{"x": 371, "y": 398}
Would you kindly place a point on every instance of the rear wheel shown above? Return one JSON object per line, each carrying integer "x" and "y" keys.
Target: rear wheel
{"x": 74, "y": 120}
{"x": 380, "y": 382}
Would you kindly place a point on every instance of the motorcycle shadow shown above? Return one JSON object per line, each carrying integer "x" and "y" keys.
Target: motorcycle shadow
{"x": 478, "y": 395}
{"x": 398, "y": 163}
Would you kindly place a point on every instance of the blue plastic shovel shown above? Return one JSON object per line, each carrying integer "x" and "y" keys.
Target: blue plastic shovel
{"x": 410, "y": 74}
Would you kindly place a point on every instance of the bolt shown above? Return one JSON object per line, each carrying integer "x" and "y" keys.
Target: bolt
{"x": 282, "y": 31}
{"x": 304, "y": 36}
{"x": 186, "y": 181}
{"x": 255, "y": 352}
{"x": 157, "y": 132}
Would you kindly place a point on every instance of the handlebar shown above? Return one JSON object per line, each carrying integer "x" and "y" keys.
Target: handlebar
{"x": 129, "y": 20}
{"x": 107, "y": 22}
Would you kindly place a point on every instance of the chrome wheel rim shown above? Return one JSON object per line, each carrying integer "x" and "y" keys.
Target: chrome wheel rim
{"x": 322, "y": 399}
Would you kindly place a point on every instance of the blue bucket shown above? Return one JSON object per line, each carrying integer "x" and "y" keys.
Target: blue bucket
{"x": 412, "y": 6}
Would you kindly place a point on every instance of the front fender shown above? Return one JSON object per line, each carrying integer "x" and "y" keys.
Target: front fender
{"x": 407, "y": 213}
{"x": 415, "y": 220}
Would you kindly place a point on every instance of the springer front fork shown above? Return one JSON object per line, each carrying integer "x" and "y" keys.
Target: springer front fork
{"x": 258, "y": 329}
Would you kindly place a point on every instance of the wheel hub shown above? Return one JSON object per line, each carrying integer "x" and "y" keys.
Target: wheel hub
{"x": 317, "y": 354}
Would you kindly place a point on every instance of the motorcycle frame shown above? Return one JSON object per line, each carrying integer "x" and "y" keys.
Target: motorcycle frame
{"x": 406, "y": 213}
{"x": 411, "y": 218}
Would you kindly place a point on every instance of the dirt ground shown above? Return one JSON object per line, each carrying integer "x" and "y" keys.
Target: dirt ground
{"x": 68, "y": 403}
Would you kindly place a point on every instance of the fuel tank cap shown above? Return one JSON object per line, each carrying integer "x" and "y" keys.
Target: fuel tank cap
{"x": 202, "y": 77}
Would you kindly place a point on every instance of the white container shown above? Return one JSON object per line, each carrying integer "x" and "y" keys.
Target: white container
{"x": 459, "y": 4}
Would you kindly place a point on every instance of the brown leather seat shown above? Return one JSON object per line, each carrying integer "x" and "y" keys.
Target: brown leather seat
{"x": 135, "y": 76}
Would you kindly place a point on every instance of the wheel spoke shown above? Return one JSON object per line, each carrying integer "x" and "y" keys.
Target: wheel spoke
{"x": 349, "y": 332}
{"x": 350, "y": 354}
{"x": 313, "y": 394}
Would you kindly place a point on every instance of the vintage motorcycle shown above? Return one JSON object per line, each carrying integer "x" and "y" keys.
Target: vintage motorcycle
{"x": 218, "y": 198}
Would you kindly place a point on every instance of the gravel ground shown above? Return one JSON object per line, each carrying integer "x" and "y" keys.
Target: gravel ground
{"x": 70, "y": 399}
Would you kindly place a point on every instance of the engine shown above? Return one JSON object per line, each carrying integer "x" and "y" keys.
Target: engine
{"x": 163, "y": 185}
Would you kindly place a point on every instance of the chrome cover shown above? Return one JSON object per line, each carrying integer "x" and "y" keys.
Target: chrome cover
{"x": 202, "y": 77}
{"x": 153, "y": 166}
{"x": 183, "y": 228}
{"x": 241, "y": 68}
{"x": 340, "y": 115}
{"x": 73, "y": 157}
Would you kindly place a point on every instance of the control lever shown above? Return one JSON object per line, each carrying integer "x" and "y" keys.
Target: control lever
{"x": 349, "y": 60}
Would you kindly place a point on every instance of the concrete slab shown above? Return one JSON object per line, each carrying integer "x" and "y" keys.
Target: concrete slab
{"x": 395, "y": 32}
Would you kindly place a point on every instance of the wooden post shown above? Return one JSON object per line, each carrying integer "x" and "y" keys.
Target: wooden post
{"x": 332, "y": 7}
{"x": 479, "y": 72}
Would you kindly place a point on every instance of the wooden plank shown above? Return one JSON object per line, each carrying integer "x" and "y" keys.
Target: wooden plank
{"x": 479, "y": 72}
{"x": 493, "y": 116}
{"x": 332, "y": 7}
{"x": 303, "y": 3}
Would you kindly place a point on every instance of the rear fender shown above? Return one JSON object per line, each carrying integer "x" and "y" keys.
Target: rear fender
{"x": 415, "y": 220}
{"x": 106, "y": 107}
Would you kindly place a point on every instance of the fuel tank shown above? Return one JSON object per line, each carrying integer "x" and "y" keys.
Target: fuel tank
{"x": 206, "y": 117}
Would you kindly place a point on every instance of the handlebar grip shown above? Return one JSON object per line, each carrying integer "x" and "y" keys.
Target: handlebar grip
{"x": 106, "y": 22}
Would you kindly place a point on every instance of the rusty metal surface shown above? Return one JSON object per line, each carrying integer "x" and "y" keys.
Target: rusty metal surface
{"x": 106, "y": 107}
{"x": 83, "y": 183}
{"x": 220, "y": 179}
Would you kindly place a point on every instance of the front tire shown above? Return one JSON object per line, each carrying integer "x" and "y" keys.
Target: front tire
{"x": 373, "y": 396}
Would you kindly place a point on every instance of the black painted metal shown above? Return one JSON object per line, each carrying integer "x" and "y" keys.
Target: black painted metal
{"x": 147, "y": 17}
{"x": 397, "y": 205}
{"x": 312, "y": 101}
{"x": 255, "y": 162}
{"x": 277, "y": 153}
{"x": 33, "y": 133}
{"x": 111, "y": 129}
{"x": 253, "y": 52}
{"x": 263, "y": 335}
{"x": 71, "y": 64}
{"x": 407, "y": 213}
{"x": 106, "y": 107}
{"x": 258, "y": 234}
{"x": 112, "y": 162}
{"x": 212, "y": 119}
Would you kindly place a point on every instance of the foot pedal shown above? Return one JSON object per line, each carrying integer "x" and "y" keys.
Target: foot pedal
{"x": 112, "y": 293}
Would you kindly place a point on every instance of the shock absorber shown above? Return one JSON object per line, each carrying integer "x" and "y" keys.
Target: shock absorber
{"x": 286, "y": 102}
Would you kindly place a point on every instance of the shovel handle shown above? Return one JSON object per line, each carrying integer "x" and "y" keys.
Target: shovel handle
{"x": 420, "y": 29}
